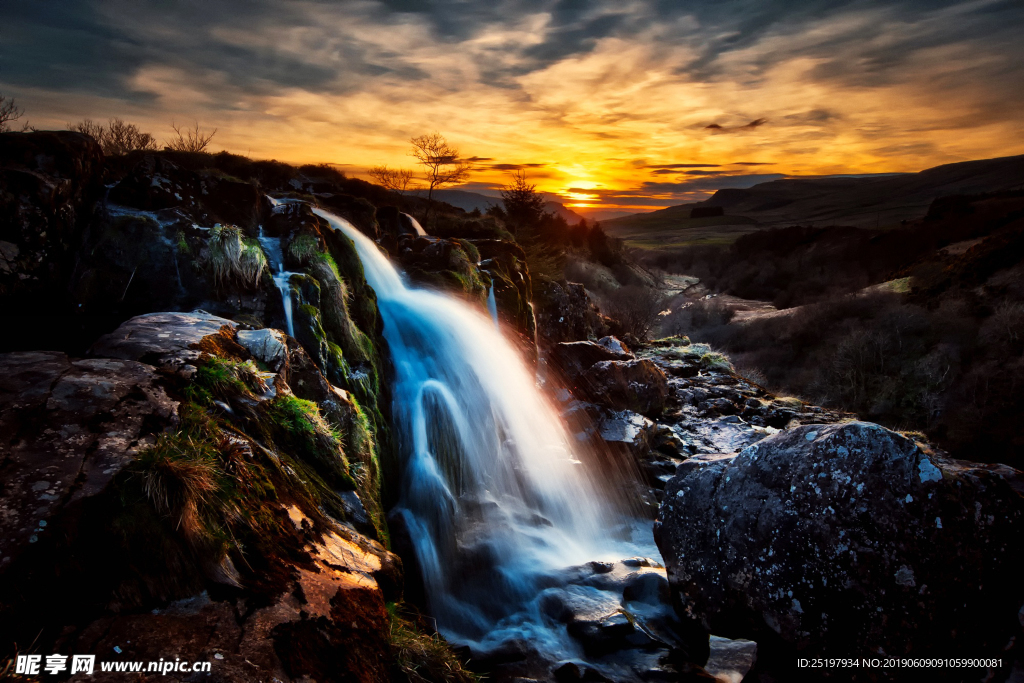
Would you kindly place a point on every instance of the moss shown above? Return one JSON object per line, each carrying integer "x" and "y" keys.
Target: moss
{"x": 716, "y": 361}
{"x": 297, "y": 424}
{"x": 303, "y": 247}
{"x": 471, "y": 251}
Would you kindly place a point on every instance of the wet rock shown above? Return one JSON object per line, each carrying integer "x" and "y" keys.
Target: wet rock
{"x": 845, "y": 538}
{"x": 637, "y": 385}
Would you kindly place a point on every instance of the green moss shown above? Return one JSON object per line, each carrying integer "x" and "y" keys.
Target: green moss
{"x": 716, "y": 361}
{"x": 303, "y": 247}
{"x": 297, "y": 424}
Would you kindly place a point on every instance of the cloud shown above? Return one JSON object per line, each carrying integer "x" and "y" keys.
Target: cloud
{"x": 717, "y": 128}
{"x": 602, "y": 92}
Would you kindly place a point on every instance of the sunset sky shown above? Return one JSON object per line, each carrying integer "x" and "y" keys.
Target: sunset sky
{"x": 609, "y": 104}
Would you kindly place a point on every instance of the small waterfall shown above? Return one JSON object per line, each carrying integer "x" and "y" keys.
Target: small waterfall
{"x": 415, "y": 225}
{"x": 492, "y": 305}
{"x": 492, "y": 494}
{"x": 275, "y": 255}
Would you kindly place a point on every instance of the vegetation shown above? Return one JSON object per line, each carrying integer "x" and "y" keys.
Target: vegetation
{"x": 117, "y": 138}
{"x": 394, "y": 179}
{"x": 193, "y": 140}
{"x": 441, "y": 161}
{"x": 235, "y": 258}
{"x": 421, "y": 656}
{"x": 9, "y": 111}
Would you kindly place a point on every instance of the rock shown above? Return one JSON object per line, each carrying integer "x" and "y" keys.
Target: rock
{"x": 68, "y": 428}
{"x": 614, "y": 345}
{"x": 637, "y": 385}
{"x": 731, "y": 660}
{"x": 575, "y": 358}
{"x": 846, "y": 538}
{"x": 172, "y": 341}
{"x": 268, "y": 346}
{"x": 565, "y": 312}
{"x": 49, "y": 184}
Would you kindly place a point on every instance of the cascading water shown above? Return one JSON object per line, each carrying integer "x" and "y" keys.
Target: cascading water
{"x": 282, "y": 278}
{"x": 492, "y": 304}
{"x": 493, "y": 497}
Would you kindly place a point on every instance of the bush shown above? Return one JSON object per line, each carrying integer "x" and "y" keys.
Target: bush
{"x": 635, "y": 308}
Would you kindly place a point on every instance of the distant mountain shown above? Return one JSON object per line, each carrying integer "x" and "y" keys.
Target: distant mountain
{"x": 861, "y": 201}
{"x": 467, "y": 201}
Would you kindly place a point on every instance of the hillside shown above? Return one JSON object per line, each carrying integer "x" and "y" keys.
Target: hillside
{"x": 872, "y": 201}
{"x": 468, "y": 201}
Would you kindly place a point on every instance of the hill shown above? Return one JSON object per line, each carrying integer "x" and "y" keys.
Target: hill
{"x": 858, "y": 201}
{"x": 468, "y": 201}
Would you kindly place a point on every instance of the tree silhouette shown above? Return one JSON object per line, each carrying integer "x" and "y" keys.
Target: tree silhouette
{"x": 441, "y": 161}
{"x": 9, "y": 111}
{"x": 117, "y": 138}
{"x": 394, "y": 179}
{"x": 524, "y": 206}
{"x": 193, "y": 139}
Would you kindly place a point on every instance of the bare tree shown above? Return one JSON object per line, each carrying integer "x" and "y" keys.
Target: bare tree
{"x": 117, "y": 138}
{"x": 394, "y": 179}
{"x": 442, "y": 162}
{"x": 193, "y": 139}
{"x": 9, "y": 111}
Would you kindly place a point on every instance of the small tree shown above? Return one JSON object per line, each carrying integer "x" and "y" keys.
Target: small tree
{"x": 394, "y": 179}
{"x": 9, "y": 111}
{"x": 442, "y": 162}
{"x": 524, "y": 206}
{"x": 117, "y": 138}
{"x": 193, "y": 139}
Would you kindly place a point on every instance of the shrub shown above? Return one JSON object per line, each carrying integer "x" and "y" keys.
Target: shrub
{"x": 233, "y": 257}
{"x": 636, "y": 308}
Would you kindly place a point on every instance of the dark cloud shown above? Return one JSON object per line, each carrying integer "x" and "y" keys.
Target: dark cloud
{"x": 718, "y": 128}
{"x": 668, "y": 167}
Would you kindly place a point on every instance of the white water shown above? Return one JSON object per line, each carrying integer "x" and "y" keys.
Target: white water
{"x": 492, "y": 494}
{"x": 275, "y": 255}
{"x": 415, "y": 225}
{"x": 492, "y": 305}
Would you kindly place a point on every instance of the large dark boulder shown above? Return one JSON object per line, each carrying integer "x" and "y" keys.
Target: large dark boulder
{"x": 565, "y": 312}
{"x": 49, "y": 184}
{"x": 846, "y": 539}
{"x": 573, "y": 359}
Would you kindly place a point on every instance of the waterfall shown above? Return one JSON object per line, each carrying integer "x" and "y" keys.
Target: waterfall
{"x": 275, "y": 255}
{"x": 417, "y": 228}
{"x": 492, "y": 305}
{"x": 492, "y": 494}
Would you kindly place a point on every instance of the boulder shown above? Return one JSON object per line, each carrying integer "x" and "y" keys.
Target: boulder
{"x": 68, "y": 428}
{"x": 564, "y": 311}
{"x": 268, "y": 346}
{"x": 846, "y": 538}
{"x": 575, "y": 358}
{"x": 49, "y": 183}
{"x": 637, "y": 385}
{"x": 172, "y": 341}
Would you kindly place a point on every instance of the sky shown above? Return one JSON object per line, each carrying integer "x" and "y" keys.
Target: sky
{"x": 608, "y": 104}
